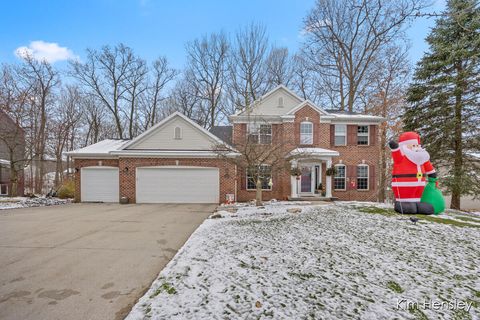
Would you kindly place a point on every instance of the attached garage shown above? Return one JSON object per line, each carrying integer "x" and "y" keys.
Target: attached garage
{"x": 99, "y": 184}
{"x": 177, "y": 184}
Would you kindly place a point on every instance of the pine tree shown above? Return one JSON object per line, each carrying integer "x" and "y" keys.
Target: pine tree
{"x": 444, "y": 98}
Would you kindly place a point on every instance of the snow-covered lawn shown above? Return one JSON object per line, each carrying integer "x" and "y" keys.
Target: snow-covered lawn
{"x": 331, "y": 261}
{"x": 24, "y": 202}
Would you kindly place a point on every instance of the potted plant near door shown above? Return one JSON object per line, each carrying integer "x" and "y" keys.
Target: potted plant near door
{"x": 296, "y": 172}
{"x": 320, "y": 189}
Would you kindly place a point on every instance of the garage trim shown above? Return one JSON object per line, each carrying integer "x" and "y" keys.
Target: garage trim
{"x": 210, "y": 194}
{"x": 108, "y": 190}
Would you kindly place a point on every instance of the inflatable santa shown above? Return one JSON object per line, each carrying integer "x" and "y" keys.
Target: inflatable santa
{"x": 411, "y": 166}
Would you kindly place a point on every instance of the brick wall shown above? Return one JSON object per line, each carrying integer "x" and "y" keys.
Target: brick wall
{"x": 80, "y": 163}
{"x": 350, "y": 155}
{"x": 127, "y": 178}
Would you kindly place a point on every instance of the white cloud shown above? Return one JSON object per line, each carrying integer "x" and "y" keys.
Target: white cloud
{"x": 45, "y": 51}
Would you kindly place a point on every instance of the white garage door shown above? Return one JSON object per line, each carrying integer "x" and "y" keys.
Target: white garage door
{"x": 99, "y": 184}
{"x": 177, "y": 185}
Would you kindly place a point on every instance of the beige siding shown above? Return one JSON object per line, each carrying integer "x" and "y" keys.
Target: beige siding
{"x": 163, "y": 138}
{"x": 270, "y": 105}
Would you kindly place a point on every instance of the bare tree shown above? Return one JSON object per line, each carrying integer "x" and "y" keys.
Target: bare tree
{"x": 247, "y": 66}
{"x": 207, "y": 67}
{"x": 13, "y": 114}
{"x": 135, "y": 86}
{"x": 344, "y": 38}
{"x": 388, "y": 87}
{"x": 42, "y": 79}
{"x": 162, "y": 75}
{"x": 63, "y": 123}
{"x": 279, "y": 68}
{"x": 105, "y": 74}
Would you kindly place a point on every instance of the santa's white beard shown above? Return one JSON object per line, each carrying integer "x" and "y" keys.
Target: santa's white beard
{"x": 419, "y": 156}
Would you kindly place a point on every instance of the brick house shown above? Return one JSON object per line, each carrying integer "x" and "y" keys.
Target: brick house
{"x": 174, "y": 160}
{"x": 12, "y": 150}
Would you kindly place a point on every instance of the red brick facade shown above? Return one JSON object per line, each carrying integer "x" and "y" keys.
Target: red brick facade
{"x": 127, "y": 176}
{"x": 233, "y": 180}
{"x": 351, "y": 155}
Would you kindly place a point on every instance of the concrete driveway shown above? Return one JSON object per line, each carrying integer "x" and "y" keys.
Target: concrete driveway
{"x": 87, "y": 261}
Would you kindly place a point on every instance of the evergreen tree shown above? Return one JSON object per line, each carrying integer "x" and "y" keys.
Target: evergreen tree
{"x": 444, "y": 98}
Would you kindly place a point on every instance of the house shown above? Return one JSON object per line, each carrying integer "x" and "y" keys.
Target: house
{"x": 174, "y": 160}
{"x": 12, "y": 149}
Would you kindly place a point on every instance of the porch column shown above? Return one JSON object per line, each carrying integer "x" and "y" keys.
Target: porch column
{"x": 293, "y": 182}
{"x": 328, "y": 187}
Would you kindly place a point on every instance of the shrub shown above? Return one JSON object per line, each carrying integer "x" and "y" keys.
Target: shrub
{"x": 66, "y": 190}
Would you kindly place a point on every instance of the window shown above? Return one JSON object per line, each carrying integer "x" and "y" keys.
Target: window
{"x": 280, "y": 102}
{"x": 362, "y": 177}
{"x": 3, "y": 189}
{"x": 362, "y": 136}
{"x": 177, "y": 133}
{"x": 339, "y": 178}
{"x": 306, "y": 133}
{"x": 264, "y": 173}
{"x": 260, "y": 133}
{"x": 340, "y": 134}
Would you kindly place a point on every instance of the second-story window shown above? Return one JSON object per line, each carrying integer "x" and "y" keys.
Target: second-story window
{"x": 260, "y": 133}
{"x": 340, "y": 134}
{"x": 177, "y": 133}
{"x": 362, "y": 136}
{"x": 306, "y": 133}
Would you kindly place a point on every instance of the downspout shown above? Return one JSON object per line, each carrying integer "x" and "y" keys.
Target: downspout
{"x": 236, "y": 181}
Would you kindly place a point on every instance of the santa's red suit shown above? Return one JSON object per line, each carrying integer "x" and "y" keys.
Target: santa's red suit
{"x": 410, "y": 168}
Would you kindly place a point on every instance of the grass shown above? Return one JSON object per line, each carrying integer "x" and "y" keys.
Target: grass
{"x": 421, "y": 217}
{"x": 395, "y": 287}
{"x": 165, "y": 287}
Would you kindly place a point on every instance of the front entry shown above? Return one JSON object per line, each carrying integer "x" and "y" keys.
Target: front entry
{"x": 307, "y": 179}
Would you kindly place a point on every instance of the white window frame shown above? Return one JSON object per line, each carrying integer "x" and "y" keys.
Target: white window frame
{"x": 344, "y": 177}
{"x": 255, "y": 129}
{"x": 179, "y": 136}
{"x": 363, "y": 134}
{"x": 247, "y": 176}
{"x": 367, "y": 177}
{"x": 306, "y": 138}
{"x": 3, "y": 194}
{"x": 340, "y": 134}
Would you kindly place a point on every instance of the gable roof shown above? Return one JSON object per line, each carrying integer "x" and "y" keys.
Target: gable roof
{"x": 223, "y": 132}
{"x": 268, "y": 94}
{"x": 310, "y": 104}
{"x": 160, "y": 124}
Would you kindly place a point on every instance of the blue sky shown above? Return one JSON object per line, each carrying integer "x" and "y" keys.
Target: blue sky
{"x": 154, "y": 27}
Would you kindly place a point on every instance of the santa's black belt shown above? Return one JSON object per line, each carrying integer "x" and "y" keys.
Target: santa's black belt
{"x": 408, "y": 175}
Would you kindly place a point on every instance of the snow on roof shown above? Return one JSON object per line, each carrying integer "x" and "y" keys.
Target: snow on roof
{"x": 4, "y": 162}
{"x": 474, "y": 154}
{"x": 102, "y": 147}
{"x": 313, "y": 152}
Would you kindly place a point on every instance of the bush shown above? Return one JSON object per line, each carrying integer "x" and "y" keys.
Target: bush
{"x": 66, "y": 190}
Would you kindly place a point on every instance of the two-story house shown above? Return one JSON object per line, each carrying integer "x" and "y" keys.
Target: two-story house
{"x": 175, "y": 161}
{"x": 320, "y": 139}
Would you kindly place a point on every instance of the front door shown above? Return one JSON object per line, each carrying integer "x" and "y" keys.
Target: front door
{"x": 306, "y": 179}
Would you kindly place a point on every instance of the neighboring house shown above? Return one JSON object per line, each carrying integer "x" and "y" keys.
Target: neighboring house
{"x": 12, "y": 148}
{"x": 173, "y": 161}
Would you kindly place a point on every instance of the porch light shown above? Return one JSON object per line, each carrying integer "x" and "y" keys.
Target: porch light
{"x": 126, "y": 169}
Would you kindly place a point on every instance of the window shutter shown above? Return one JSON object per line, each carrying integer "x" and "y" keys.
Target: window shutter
{"x": 332, "y": 135}
{"x": 373, "y": 135}
{"x": 297, "y": 133}
{"x": 243, "y": 179}
{"x": 352, "y": 174}
{"x": 371, "y": 177}
{"x": 352, "y": 135}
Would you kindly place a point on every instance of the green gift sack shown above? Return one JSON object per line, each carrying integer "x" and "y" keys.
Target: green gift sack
{"x": 431, "y": 194}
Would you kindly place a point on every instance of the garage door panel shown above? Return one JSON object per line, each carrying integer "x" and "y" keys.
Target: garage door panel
{"x": 177, "y": 185}
{"x": 99, "y": 184}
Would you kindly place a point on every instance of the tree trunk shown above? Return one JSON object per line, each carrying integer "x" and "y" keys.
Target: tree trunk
{"x": 458, "y": 147}
{"x": 258, "y": 193}
{"x": 13, "y": 180}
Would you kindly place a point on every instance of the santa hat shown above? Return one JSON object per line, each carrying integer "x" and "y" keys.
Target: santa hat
{"x": 409, "y": 138}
